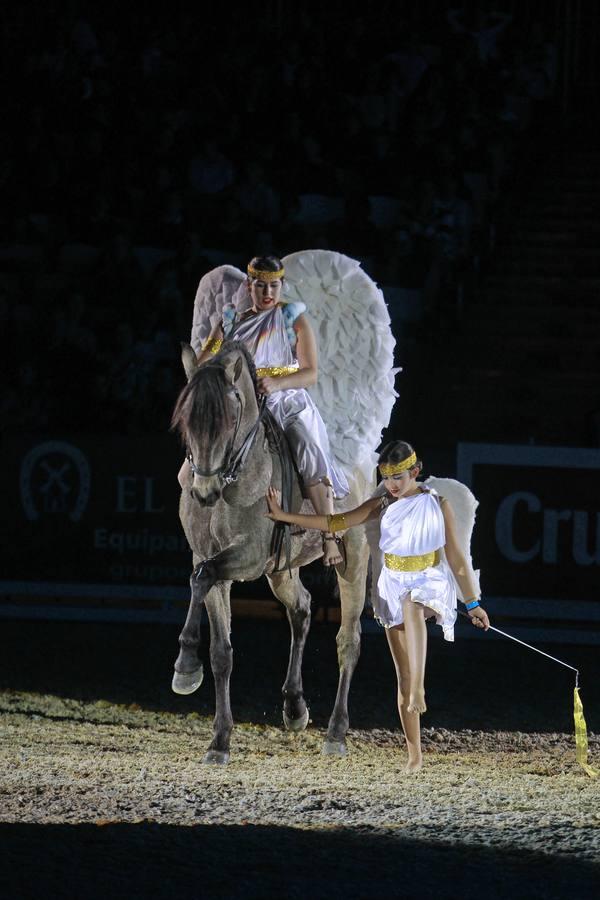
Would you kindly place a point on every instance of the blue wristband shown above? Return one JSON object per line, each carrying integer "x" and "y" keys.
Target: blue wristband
{"x": 472, "y": 604}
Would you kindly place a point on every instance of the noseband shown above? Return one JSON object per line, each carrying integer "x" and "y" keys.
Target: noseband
{"x": 232, "y": 465}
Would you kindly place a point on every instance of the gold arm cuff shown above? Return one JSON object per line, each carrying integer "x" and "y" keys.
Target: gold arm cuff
{"x": 276, "y": 371}
{"x": 336, "y": 522}
{"x": 213, "y": 345}
{"x": 412, "y": 563}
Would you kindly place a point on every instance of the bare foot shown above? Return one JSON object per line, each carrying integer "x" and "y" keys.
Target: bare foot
{"x": 416, "y": 701}
{"x": 331, "y": 552}
{"x": 414, "y": 764}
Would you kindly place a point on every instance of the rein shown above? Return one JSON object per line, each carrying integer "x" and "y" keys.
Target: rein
{"x": 234, "y": 462}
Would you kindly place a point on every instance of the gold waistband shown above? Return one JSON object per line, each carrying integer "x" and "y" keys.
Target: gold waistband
{"x": 412, "y": 563}
{"x": 276, "y": 371}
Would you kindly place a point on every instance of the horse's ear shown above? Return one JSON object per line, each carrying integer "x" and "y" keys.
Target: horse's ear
{"x": 189, "y": 360}
{"x": 233, "y": 369}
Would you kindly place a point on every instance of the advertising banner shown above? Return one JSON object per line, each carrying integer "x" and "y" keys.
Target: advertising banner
{"x": 92, "y": 531}
{"x": 93, "y": 509}
{"x": 537, "y": 532}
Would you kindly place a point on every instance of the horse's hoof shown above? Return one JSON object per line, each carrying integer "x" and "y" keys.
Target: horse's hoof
{"x": 296, "y": 724}
{"x": 216, "y": 758}
{"x": 334, "y": 748}
{"x": 187, "y": 682}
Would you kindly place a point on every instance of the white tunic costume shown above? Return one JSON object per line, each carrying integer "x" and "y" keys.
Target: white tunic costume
{"x": 414, "y": 526}
{"x": 269, "y": 336}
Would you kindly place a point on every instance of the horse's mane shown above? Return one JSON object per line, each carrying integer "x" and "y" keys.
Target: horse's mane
{"x": 228, "y": 346}
{"x": 201, "y": 404}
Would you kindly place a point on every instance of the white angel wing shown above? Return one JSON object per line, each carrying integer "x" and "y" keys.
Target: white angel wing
{"x": 355, "y": 391}
{"x": 463, "y": 505}
{"x": 220, "y": 286}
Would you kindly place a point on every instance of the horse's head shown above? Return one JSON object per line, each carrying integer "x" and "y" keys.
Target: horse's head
{"x": 213, "y": 414}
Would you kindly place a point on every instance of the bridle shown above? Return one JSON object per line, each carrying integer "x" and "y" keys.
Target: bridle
{"x": 229, "y": 471}
{"x": 232, "y": 465}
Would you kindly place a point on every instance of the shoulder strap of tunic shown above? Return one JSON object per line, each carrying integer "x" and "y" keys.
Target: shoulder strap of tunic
{"x": 289, "y": 311}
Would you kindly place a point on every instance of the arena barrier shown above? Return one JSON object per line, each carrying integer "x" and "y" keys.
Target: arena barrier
{"x": 93, "y": 534}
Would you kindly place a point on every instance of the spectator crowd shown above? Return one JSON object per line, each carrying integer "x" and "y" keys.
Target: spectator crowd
{"x": 142, "y": 150}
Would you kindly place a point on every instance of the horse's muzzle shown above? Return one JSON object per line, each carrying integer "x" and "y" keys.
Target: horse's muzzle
{"x": 206, "y": 497}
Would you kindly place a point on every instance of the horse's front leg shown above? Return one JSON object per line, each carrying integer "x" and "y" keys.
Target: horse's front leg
{"x": 188, "y": 668}
{"x": 296, "y": 600}
{"x": 352, "y": 594}
{"x": 221, "y": 660}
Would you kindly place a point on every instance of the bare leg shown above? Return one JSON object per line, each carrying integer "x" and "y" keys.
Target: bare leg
{"x": 416, "y": 645}
{"x": 411, "y": 721}
{"x": 321, "y": 497}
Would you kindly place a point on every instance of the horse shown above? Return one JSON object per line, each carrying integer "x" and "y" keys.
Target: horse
{"x": 233, "y": 460}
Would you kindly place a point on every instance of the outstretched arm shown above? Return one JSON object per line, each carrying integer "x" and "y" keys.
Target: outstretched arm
{"x": 369, "y": 509}
{"x": 460, "y": 568}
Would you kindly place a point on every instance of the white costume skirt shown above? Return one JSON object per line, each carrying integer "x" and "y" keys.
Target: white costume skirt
{"x": 301, "y": 420}
{"x": 433, "y": 587}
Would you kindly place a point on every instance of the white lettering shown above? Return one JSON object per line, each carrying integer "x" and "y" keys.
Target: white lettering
{"x": 551, "y": 519}
{"x": 149, "y": 497}
{"x": 126, "y": 494}
{"x": 117, "y": 541}
{"x": 144, "y": 542}
{"x": 581, "y": 539}
{"x": 100, "y": 536}
{"x": 505, "y": 526}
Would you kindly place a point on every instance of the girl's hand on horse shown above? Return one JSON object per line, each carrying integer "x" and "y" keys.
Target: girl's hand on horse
{"x": 479, "y": 617}
{"x": 268, "y": 385}
{"x": 273, "y": 502}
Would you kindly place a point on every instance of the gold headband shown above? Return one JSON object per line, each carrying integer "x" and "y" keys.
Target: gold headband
{"x": 388, "y": 469}
{"x": 263, "y": 275}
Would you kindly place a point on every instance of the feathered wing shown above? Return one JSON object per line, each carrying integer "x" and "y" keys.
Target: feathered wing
{"x": 464, "y": 505}
{"x": 219, "y": 287}
{"x": 355, "y": 390}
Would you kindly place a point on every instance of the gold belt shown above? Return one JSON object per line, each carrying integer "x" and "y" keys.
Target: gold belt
{"x": 276, "y": 371}
{"x": 412, "y": 563}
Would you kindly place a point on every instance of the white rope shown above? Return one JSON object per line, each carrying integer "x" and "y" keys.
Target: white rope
{"x": 541, "y": 652}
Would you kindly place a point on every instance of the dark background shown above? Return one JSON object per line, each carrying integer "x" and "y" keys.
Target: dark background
{"x": 452, "y": 150}
{"x": 141, "y": 146}
{"x": 453, "y": 153}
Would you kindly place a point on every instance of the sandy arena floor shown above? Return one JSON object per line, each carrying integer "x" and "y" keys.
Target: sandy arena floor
{"x": 103, "y": 794}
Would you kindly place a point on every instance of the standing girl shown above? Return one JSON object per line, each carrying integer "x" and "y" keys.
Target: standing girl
{"x": 423, "y": 564}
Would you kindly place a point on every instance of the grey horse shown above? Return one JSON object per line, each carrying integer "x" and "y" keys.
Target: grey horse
{"x": 233, "y": 463}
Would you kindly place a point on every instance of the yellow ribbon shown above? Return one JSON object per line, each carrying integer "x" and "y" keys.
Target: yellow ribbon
{"x": 581, "y": 738}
